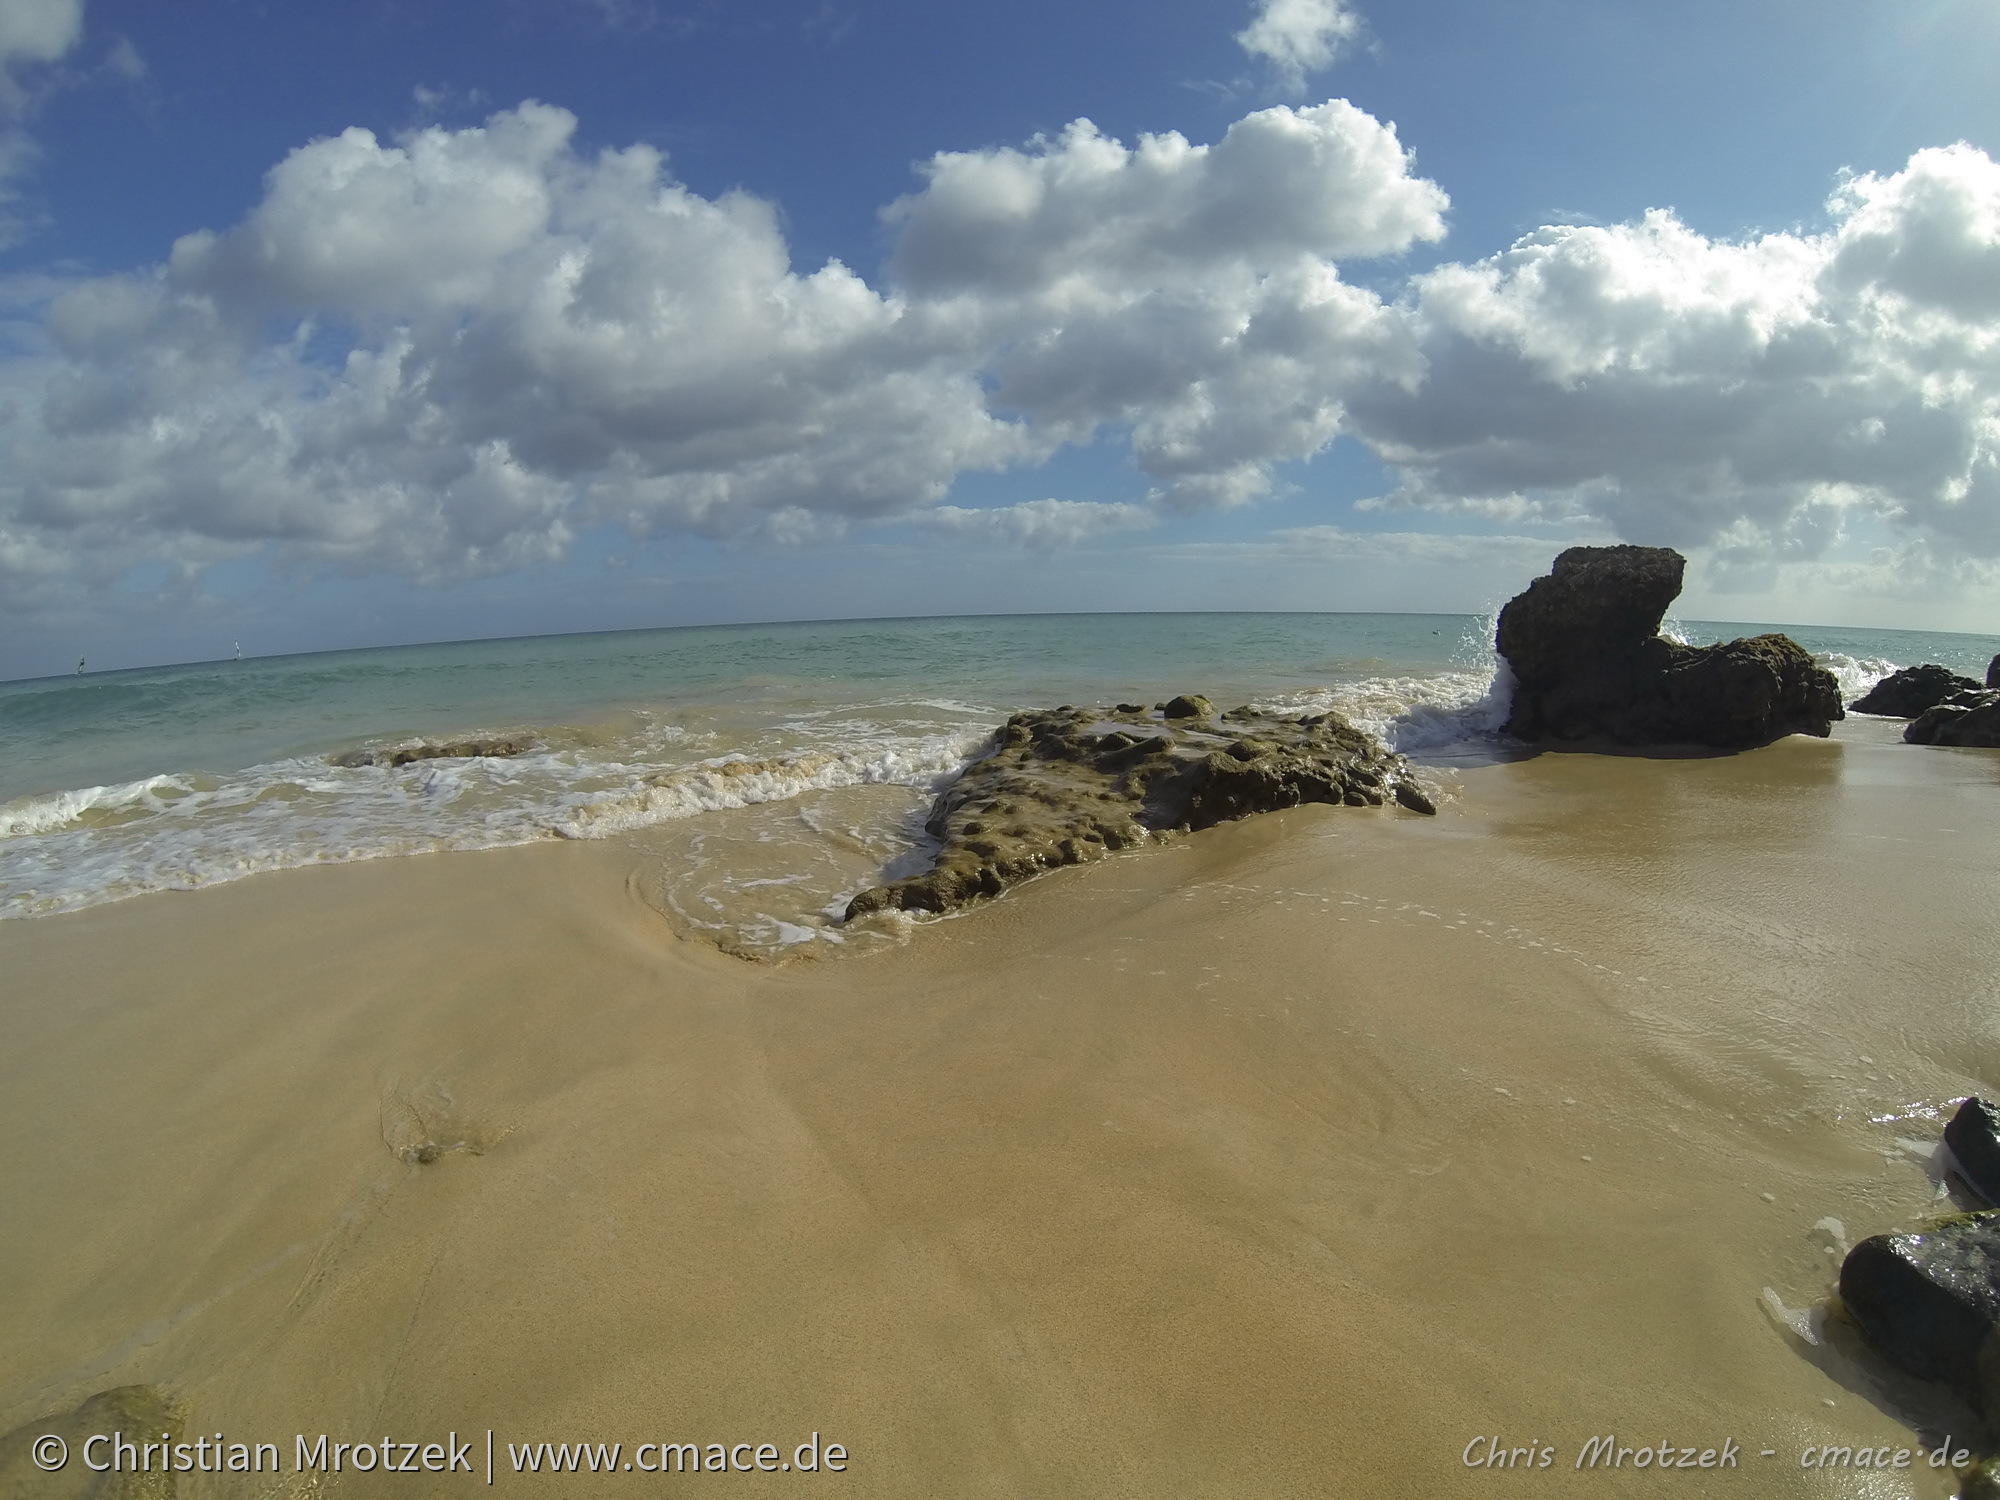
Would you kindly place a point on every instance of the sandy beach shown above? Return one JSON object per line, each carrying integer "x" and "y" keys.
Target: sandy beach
{"x": 1293, "y": 1159}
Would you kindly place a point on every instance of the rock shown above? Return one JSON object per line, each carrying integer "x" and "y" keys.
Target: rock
{"x": 450, "y": 750}
{"x": 1065, "y": 785}
{"x": 1929, "y": 1302}
{"x": 1905, "y": 694}
{"x": 142, "y": 1413}
{"x": 1993, "y": 673}
{"x": 1974, "y": 1138}
{"x": 1590, "y": 665}
{"x": 1970, "y": 718}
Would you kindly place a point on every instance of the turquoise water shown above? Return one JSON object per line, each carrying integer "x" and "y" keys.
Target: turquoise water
{"x": 789, "y": 760}
{"x": 61, "y": 732}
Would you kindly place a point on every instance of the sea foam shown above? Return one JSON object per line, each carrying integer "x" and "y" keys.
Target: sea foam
{"x": 1415, "y": 715}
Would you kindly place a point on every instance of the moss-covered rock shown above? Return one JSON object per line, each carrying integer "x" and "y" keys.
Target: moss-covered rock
{"x": 1067, "y": 785}
{"x": 141, "y": 1413}
{"x": 497, "y": 749}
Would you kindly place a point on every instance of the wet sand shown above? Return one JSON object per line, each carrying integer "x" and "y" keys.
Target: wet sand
{"x": 1285, "y": 1161}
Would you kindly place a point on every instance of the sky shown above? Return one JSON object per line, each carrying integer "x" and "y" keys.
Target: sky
{"x": 393, "y": 321}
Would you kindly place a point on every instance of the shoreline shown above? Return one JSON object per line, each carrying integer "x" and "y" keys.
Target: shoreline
{"x": 1239, "y": 1165}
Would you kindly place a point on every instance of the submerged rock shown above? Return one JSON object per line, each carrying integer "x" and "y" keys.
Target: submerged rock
{"x": 1905, "y": 694}
{"x": 1974, "y": 1138}
{"x": 1970, "y": 718}
{"x": 1590, "y": 664}
{"x": 1068, "y": 785}
{"x": 140, "y": 1413}
{"x": 1929, "y": 1302}
{"x": 497, "y": 749}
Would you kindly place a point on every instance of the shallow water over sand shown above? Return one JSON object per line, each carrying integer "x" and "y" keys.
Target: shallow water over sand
{"x": 775, "y": 770}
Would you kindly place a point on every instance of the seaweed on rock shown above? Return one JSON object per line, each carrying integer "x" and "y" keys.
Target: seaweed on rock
{"x": 1067, "y": 785}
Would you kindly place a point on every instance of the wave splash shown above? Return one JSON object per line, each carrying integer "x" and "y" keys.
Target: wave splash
{"x": 1434, "y": 715}
{"x": 781, "y": 815}
{"x": 1855, "y": 674}
{"x": 63, "y": 851}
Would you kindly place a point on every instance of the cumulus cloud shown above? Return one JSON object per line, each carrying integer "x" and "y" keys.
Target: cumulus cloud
{"x": 527, "y": 340}
{"x": 1297, "y": 37}
{"x": 448, "y": 353}
{"x": 1187, "y": 293}
{"x": 1747, "y": 397}
{"x": 488, "y": 340}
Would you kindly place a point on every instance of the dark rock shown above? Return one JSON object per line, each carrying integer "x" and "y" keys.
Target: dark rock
{"x": 1905, "y": 694}
{"x": 1970, "y": 718}
{"x": 1993, "y": 673}
{"x": 1590, "y": 665}
{"x": 1974, "y": 1138}
{"x": 1930, "y": 1302}
{"x": 1064, "y": 786}
{"x": 450, "y": 750}
{"x": 1188, "y": 706}
{"x": 1412, "y": 796}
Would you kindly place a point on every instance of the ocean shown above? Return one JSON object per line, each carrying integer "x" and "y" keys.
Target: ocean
{"x": 766, "y": 771}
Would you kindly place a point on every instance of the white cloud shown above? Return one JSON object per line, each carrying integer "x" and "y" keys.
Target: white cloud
{"x": 1042, "y": 525}
{"x": 487, "y": 341}
{"x": 38, "y": 31}
{"x": 33, "y": 33}
{"x": 1186, "y": 292}
{"x": 1298, "y": 37}
{"x": 1747, "y": 397}
{"x": 534, "y": 340}
{"x": 491, "y": 341}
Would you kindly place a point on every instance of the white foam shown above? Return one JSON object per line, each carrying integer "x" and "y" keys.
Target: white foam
{"x": 1855, "y": 674}
{"x": 738, "y": 781}
{"x": 1801, "y": 1321}
{"x": 32, "y": 815}
{"x": 1412, "y": 714}
{"x": 72, "y": 849}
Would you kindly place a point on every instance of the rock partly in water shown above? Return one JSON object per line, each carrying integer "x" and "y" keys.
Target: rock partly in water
{"x": 1590, "y": 664}
{"x": 1068, "y": 785}
{"x": 1905, "y": 694}
{"x": 1929, "y": 1302}
{"x": 1974, "y": 1138}
{"x": 141, "y": 1413}
{"x": 1188, "y": 706}
{"x": 1970, "y": 718}
{"x": 1993, "y": 673}
{"x": 498, "y": 749}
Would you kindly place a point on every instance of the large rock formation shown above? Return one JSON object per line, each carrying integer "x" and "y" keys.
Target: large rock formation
{"x": 1970, "y": 718}
{"x": 1905, "y": 694}
{"x": 1590, "y": 664}
{"x": 1068, "y": 785}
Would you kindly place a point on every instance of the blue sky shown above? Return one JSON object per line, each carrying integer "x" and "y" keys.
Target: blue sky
{"x": 335, "y": 326}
